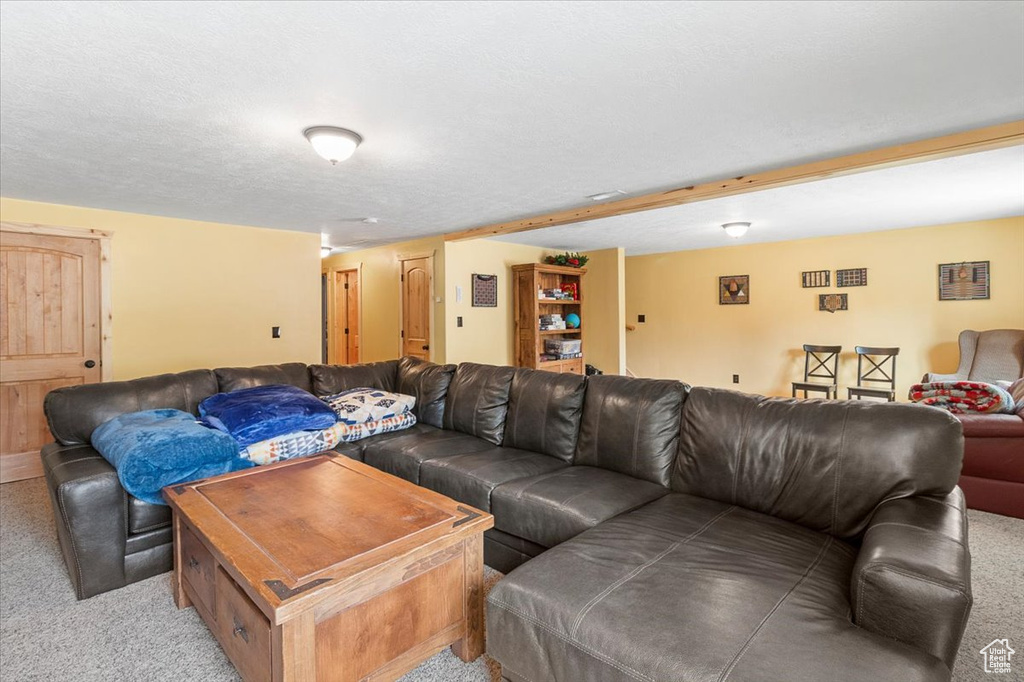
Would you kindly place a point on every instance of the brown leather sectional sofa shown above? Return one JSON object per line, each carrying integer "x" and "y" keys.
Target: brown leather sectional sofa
{"x": 657, "y": 532}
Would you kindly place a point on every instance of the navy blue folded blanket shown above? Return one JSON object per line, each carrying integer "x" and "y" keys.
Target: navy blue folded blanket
{"x": 157, "y": 448}
{"x": 251, "y": 415}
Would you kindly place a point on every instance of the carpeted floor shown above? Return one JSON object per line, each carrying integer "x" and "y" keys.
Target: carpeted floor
{"x": 137, "y": 634}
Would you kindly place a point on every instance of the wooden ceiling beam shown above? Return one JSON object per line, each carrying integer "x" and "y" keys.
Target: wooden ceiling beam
{"x": 956, "y": 144}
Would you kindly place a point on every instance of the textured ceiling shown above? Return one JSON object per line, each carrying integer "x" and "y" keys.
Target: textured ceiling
{"x": 975, "y": 187}
{"x": 472, "y": 112}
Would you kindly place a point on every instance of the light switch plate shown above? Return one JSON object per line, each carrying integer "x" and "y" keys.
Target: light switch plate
{"x": 458, "y": 294}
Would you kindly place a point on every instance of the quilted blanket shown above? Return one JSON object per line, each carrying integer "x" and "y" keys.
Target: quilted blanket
{"x": 963, "y": 396}
{"x": 360, "y": 405}
{"x": 303, "y": 443}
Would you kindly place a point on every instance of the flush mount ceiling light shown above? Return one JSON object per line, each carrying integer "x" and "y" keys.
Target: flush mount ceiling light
{"x": 736, "y": 230}
{"x": 325, "y": 251}
{"x": 601, "y": 196}
{"x": 334, "y": 144}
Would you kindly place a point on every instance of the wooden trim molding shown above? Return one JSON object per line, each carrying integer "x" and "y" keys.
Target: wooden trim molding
{"x": 957, "y": 144}
{"x": 106, "y": 299}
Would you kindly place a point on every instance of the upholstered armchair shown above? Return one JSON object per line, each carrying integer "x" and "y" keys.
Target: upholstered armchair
{"x": 989, "y": 356}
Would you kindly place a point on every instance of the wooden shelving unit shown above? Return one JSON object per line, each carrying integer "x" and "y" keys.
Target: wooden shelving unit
{"x": 529, "y": 279}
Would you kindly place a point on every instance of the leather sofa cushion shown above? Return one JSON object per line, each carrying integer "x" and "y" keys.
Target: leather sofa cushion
{"x": 823, "y": 464}
{"x": 692, "y": 589}
{"x": 429, "y": 383}
{"x": 631, "y": 426}
{"x": 331, "y": 379}
{"x": 477, "y": 401}
{"x": 144, "y": 517}
{"x": 357, "y": 449}
{"x": 471, "y": 478}
{"x": 74, "y": 412}
{"x": 992, "y": 426}
{"x": 403, "y": 454}
{"x": 551, "y": 508}
{"x": 290, "y": 373}
{"x": 544, "y": 410}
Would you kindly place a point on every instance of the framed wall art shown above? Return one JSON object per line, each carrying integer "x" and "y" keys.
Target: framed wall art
{"x": 829, "y": 303}
{"x": 733, "y": 289}
{"x": 485, "y": 291}
{"x": 815, "y": 278}
{"x": 966, "y": 281}
{"x": 852, "y": 277}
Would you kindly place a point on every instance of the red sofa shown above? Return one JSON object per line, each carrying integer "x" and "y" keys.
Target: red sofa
{"x": 992, "y": 477}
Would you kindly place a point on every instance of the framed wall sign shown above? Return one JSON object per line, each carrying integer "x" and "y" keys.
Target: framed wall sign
{"x": 485, "y": 291}
{"x": 966, "y": 281}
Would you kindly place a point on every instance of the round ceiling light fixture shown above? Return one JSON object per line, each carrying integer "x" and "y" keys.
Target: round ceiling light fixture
{"x": 334, "y": 144}
{"x": 736, "y": 230}
{"x": 325, "y": 251}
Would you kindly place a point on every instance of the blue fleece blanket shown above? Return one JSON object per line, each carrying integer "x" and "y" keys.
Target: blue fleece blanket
{"x": 157, "y": 448}
{"x": 251, "y": 415}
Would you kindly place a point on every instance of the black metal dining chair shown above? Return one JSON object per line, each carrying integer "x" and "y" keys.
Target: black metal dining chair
{"x": 825, "y": 361}
{"x": 875, "y": 365}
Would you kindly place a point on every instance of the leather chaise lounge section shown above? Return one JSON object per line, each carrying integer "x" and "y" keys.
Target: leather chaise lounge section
{"x": 649, "y": 531}
{"x": 806, "y": 540}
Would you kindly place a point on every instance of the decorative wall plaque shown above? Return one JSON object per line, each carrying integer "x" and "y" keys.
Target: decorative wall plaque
{"x": 830, "y": 303}
{"x": 854, "y": 277}
{"x": 485, "y": 291}
{"x": 733, "y": 289}
{"x": 967, "y": 281}
{"x": 815, "y": 278}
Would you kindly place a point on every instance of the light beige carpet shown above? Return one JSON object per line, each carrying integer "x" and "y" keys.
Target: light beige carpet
{"x": 136, "y": 634}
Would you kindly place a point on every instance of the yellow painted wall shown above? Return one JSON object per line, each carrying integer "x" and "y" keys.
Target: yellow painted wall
{"x": 188, "y": 294}
{"x": 380, "y": 295}
{"x": 486, "y": 334}
{"x": 689, "y": 336}
{"x": 604, "y": 311}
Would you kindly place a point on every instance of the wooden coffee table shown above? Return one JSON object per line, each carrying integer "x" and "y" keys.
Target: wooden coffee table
{"x": 327, "y": 569}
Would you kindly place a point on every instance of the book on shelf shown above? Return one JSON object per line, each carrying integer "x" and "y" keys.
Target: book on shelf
{"x": 551, "y": 322}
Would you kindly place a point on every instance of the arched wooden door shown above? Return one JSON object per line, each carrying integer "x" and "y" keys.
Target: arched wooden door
{"x": 49, "y": 336}
{"x": 416, "y": 307}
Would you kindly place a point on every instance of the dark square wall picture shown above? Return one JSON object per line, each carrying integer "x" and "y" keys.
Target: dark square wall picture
{"x": 733, "y": 289}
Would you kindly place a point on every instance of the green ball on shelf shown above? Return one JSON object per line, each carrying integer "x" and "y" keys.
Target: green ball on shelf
{"x": 572, "y": 321}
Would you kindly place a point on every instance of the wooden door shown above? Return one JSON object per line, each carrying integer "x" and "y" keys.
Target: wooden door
{"x": 49, "y": 336}
{"x": 345, "y": 316}
{"x": 416, "y": 307}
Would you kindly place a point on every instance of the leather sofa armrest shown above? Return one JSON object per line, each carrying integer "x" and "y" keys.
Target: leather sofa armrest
{"x": 90, "y": 509}
{"x": 911, "y": 581}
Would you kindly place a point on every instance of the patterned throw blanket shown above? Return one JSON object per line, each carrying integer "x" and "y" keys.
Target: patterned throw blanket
{"x": 963, "y": 396}
{"x": 303, "y": 443}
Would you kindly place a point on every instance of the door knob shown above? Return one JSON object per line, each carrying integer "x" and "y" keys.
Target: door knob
{"x": 426, "y": 347}
{"x": 90, "y": 364}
